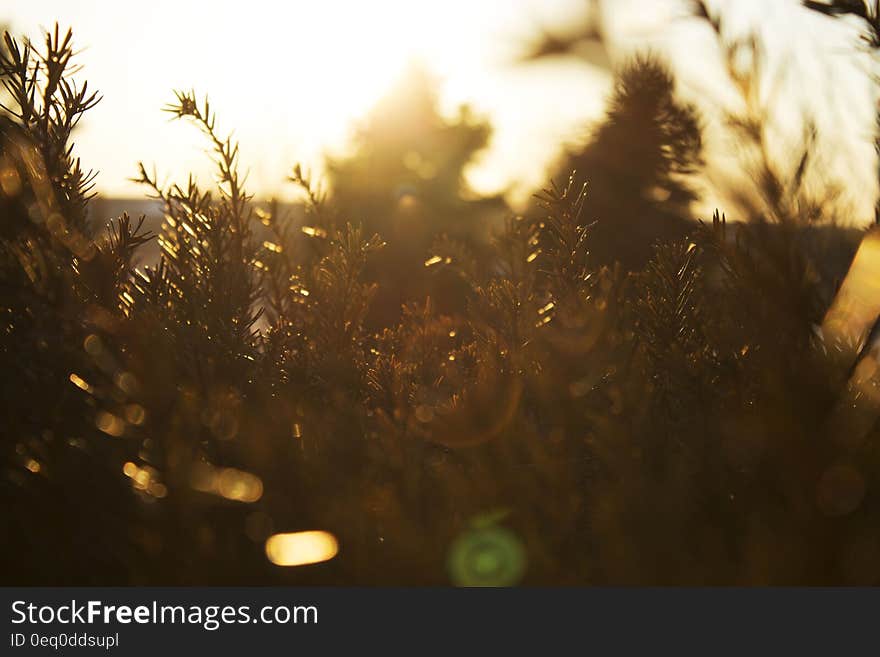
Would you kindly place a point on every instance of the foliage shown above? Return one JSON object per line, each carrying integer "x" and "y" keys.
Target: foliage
{"x": 638, "y": 161}
{"x": 870, "y": 14}
{"x": 405, "y": 179}
{"x": 670, "y": 420}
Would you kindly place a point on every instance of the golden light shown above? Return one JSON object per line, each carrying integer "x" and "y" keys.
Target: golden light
{"x": 857, "y": 303}
{"x": 846, "y": 329}
{"x": 145, "y": 479}
{"x": 320, "y": 64}
{"x": 80, "y": 383}
{"x": 10, "y": 181}
{"x": 239, "y": 486}
{"x": 135, "y": 414}
{"x": 230, "y": 483}
{"x": 293, "y": 79}
{"x": 301, "y": 548}
{"x": 93, "y": 345}
{"x": 110, "y": 424}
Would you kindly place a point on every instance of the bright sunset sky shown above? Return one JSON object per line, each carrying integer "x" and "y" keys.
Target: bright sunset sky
{"x": 292, "y": 78}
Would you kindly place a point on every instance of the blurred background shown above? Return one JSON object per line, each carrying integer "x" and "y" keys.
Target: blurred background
{"x": 297, "y": 79}
{"x": 492, "y": 293}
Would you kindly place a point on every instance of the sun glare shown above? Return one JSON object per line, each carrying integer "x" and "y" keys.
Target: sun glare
{"x": 302, "y": 74}
{"x": 346, "y": 55}
{"x": 293, "y": 79}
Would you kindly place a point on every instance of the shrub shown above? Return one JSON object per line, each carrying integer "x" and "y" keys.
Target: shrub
{"x": 568, "y": 421}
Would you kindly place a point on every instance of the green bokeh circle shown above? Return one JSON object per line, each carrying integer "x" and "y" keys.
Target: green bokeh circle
{"x": 491, "y": 556}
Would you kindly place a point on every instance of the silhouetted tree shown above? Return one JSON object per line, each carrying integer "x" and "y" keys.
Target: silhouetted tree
{"x": 405, "y": 181}
{"x": 636, "y": 163}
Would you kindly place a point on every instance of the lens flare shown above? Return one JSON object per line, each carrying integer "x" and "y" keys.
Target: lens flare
{"x": 301, "y": 548}
{"x": 230, "y": 483}
{"x": 487, "y": 556}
